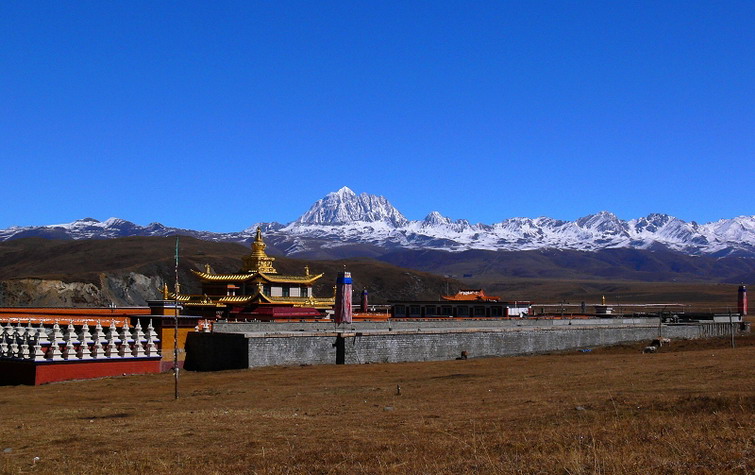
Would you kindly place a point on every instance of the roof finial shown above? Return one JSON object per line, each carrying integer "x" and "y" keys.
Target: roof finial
{"x": 258, "y": 260}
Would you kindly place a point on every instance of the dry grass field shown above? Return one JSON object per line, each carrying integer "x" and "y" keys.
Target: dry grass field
{"x": 688, "y": 409}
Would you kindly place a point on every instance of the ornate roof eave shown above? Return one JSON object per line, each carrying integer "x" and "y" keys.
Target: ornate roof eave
{"x": 299, "y": 279}
{"x": 245, "y": 277}
{"x": 180, "y": 298}
{"x": 224, "y": 277}
{"x": 302, "y": 301}
{"x": 203, "y": 300}
{"x": 239, "y": 299}
{"x": 236, "y": 299}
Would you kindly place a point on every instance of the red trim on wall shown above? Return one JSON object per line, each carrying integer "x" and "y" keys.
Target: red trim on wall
{"x": 34, "y": 373}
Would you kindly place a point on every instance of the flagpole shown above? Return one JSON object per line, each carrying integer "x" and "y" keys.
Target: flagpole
{"x": 175, "y": 328}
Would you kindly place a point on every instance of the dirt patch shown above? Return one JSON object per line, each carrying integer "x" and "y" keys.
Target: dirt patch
{"x": 613, "y": 410}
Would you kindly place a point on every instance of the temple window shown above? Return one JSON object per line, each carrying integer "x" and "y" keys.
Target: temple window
{"x": 286, "y": 292}
{"x": 414, "y": 311}
{"x": 430, "y": 310}
{"x": 399, "y": 310}
{"x": 479, "y": 311}
{"x": 446, "y": 310}
{"x": 463, "y": 311}
{"x": 266, "y": 289}
{"x": 276, "y": 291}
{"x": 294, "y": 292}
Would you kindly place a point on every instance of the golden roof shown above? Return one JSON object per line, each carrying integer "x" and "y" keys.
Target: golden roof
{"x": 302, "y": 279}
{"x": 180, "y": 298}
{"x": 245, "y": 277}
{"x": 224, "y": 277}
{"x": 258, "y": 266}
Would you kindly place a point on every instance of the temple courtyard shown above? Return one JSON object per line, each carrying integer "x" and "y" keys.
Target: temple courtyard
{"x": 688, "y": 409}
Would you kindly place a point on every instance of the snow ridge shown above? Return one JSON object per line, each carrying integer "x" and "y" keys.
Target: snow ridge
{"x": 344, "y": 218}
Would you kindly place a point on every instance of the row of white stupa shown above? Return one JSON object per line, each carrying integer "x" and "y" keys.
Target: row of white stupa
{"x": 34, "y": 343}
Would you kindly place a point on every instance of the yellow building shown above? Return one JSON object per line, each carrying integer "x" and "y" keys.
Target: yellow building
{"x": 257, "y": 284}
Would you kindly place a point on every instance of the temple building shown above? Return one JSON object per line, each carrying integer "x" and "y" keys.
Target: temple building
{"x": 258, "y": 285}
{"x": 467, "y": 303}
{"x": 474, "y": 295}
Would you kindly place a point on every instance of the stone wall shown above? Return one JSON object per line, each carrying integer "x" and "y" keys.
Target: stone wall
{"x": 444, "y": 345}
{"x": 213, "y": 351}
{"x": 424, "y": 324}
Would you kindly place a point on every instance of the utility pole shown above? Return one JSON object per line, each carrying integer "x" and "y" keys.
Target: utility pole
{"x": 731, "y": 329}
{"x": 175, "y": 329}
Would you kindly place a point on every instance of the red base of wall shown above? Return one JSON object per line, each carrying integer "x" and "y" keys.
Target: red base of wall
{"x": 41, "y": 372}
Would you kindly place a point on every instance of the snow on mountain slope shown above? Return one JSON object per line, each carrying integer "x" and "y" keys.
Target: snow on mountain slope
{"x": 344, "y": 218}
{"x": 345, "y": 207}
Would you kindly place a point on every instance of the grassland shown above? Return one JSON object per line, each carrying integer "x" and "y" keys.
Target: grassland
{"x": 689, "y": 409}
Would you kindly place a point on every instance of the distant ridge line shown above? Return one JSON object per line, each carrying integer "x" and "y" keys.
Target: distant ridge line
{"x": 345, "y": 219}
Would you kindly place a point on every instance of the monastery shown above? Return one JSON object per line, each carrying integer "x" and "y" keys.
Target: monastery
{"x": 258, "y": 290}
{"x": 225, "y": 326}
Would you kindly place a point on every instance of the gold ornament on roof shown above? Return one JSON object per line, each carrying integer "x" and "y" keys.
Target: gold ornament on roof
{"x": 258, "y": 260}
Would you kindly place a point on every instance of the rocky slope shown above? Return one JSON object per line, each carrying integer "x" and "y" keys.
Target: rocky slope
{"x": 128, "y": 290}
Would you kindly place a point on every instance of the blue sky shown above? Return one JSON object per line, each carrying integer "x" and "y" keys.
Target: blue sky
{"x": 217, "y": 115}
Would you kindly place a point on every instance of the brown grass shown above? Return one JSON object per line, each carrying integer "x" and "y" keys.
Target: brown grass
{"x": 688, "y": 409}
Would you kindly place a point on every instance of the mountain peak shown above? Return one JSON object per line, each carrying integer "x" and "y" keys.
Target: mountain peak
{"x": 344, "y": 207}
{"x": 344, "y": 191}
{"x": 603, "y": 222}
{"x": 435, "y": 219}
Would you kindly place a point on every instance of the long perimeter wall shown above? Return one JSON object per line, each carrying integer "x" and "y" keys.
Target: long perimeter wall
{"x": 217, "y": 351}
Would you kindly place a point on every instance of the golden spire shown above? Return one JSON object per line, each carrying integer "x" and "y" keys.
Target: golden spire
{"x": 258, "y": 260}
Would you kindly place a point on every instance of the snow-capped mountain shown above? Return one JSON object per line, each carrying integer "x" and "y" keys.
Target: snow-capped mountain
{"x": 89, "y": 228}
{"x": 343, "y": 219}
{"x": 346, "y": 207}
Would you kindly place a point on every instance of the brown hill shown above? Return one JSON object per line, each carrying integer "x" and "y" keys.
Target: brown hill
{"x": 643, "y": 265}
{"x": 87, "y": 261}
{"x": 110, "y": 266}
